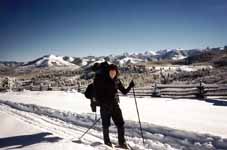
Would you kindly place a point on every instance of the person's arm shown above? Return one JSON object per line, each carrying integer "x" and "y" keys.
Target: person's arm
{"x": 123, "y": 89}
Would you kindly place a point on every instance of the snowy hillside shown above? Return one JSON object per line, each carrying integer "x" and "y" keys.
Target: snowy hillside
{"x": 150, "y": 53}
{"x": 130, "y": 60}
{"x": 50, "y": 61}
{"x": 89, "y": 61}
{"x": 51, "y": 120}
{"x": 172, "y": 54}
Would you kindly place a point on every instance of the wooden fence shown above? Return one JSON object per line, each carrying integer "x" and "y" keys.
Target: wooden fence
{"x": 180, "y": 91}
{"x": 199, "y": 90}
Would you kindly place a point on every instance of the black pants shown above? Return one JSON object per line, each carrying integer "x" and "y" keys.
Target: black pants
{"x": 112, "y": 111}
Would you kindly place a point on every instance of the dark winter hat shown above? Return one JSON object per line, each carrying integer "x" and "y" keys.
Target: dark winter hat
{"x": 113, "y": 67}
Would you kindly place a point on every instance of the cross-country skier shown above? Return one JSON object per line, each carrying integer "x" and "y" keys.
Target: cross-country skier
{"x": 106, "y": 93}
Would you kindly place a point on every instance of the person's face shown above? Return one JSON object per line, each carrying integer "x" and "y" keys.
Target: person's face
{"x": 112, "y": 74}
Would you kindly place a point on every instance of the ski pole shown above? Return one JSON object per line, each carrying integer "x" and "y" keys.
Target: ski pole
{"x": 89, "y": 128}
{"x": 138, "y": 114}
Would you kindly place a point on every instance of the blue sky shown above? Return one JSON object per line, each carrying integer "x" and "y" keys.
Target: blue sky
{"x": 33, "y": 28}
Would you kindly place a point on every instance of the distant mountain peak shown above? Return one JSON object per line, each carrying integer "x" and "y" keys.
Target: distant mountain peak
{"x": 151, "y": 52}
{"x": 49, "y": 60}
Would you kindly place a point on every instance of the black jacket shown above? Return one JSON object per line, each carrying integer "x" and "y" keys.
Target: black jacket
{"x": 106, "y": 90}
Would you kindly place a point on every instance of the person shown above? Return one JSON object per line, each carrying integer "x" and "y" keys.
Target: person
{"x": 106, "y": 93}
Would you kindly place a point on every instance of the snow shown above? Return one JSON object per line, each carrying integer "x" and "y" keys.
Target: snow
{"x": 161, "y": 111}
{"x": 191, "y": 68}
{"x": 187, "y": 68}
{"x": 85, "y": 62}
{"x": 178, "y": 57}
{"x": 71, "y": 59}
{"x": 150, "y": 53}
{"x": 99, "y": 61}
{"x": 58, "y": 60}
{"x": 52, "y": 60}
{"x": 167, "y": 123}
{"x": 11, "y": 126}
{"x": 90, "y": 62}
{"x": 132, "y": 60}
{"x": 16, "y": 133}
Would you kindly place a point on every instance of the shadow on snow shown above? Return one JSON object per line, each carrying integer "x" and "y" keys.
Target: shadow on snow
{"x": 27, "y": 140}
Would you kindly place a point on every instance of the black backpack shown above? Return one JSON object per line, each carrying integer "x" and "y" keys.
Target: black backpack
{"x": 89, "y": 92}
{"x": 100, "y": 70}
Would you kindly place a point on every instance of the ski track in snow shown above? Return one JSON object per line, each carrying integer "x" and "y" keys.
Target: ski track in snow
{"x": 70, "y": 126}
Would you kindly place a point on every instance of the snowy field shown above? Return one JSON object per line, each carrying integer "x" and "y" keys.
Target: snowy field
{"x": 187, "y": 68}
{"x": 51, "y": 119}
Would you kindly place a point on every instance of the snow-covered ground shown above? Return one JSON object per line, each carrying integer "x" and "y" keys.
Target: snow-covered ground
{"x": 53, "y": 118}
{"x": 187, "y": 68}
{"x": 20, "y": 133}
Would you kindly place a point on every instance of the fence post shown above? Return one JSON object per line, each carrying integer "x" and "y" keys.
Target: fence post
{"x": 201, "y": 91}
{"x": 49, "y": 87}
{"x": 40, "y": 87}
{"x": 155, "y": 93}
{"x": 78, "y": 87}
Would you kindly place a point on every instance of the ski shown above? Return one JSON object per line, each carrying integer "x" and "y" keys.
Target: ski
{"x": 118, "y": 147}
{"x": 96, "y": 144}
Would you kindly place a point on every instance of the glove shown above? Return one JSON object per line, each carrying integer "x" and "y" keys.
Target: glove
{"x": 131, "y": 84}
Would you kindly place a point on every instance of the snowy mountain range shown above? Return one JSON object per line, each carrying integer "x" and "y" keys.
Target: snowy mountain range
{"x": 122, "y": 59}
{"x": 125, "y": 58}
